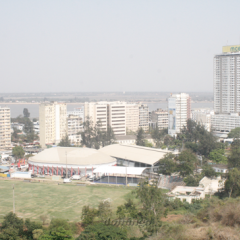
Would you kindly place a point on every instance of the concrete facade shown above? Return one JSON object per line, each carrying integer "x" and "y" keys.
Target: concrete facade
{"x": 144, "y": 117}
{"x": 203, "y": 117}
{"x": 132, "y": 117}
{"x": 52, "y": 122}
{"x": 179, "y": 111}
{"x": 161, "y": 118}
{"x": 77, "y": 112}
{"x": 226, "y": 77}
{"x": 75, "y": 124}
{"x": 111, "y": 114}
{"x": 5, "y": 128}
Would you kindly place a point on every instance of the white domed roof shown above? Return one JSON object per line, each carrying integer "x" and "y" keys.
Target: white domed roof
{"x": 73, "y": 156}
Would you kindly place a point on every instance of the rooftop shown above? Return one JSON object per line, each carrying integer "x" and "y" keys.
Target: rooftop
{"x": 135, "y": 153}
{"x": 73, "y": 156}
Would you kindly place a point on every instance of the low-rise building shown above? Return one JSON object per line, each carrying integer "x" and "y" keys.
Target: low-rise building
{"x": 188, "y": 194}
{"x": 131, "y": 139}
{"x": 18, "y": 126}
{"x": 75, "y": 139}
{"x": 211, "y": 185}
{"x": 220, "y": 168}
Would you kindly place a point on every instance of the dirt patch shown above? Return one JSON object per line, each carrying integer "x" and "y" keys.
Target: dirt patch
{"x": 172, "y": 217}
{"x": 79, "y": 228}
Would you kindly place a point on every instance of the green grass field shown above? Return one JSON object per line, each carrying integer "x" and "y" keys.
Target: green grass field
{"x": 56, "y": 201}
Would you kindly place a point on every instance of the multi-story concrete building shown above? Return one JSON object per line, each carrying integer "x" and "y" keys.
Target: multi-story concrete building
{"x": 224, "y": 123}
{"x": 203, "y": 116}
{"x": 132, "y": 117}
{"x": 97, "y": 112}
{"x": 226, "y": 77}
{"x": 52, "y": 122}
{"x": 144, "y": 117}
{"x": 77, "y": 112}
{"x": 117, "y": 117}
{"x": 179, "y": 111}
{"x": 160, "y": 117}
{"x": 111, "y": 114}
{"x": 5, "y": 128}
{"x": 75, "y": 124}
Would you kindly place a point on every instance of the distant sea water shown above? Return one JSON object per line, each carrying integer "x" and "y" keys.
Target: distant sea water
{"x": 17, "y": 109}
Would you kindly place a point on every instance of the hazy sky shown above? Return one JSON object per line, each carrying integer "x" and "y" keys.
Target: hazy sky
{"x": 114, "y": 45}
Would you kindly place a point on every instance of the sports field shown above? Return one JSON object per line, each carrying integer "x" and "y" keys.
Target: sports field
{"x": 56, "y": 201}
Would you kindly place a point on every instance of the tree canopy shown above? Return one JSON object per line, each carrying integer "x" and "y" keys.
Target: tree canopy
{"x": 234, "y": 133}
{"x": 100, "y": 231}
{"x": 94, "y": 136}
{"x": 140, "y": 140}
{"x": 65, "y": 142}
{"x": 151, "y": 205}
{"x": 197, "y": 138}
{"x": 217, "y": 155}
{"x": 26, "y": 113}
{"x": 18, "y": 152}
{"x": 232, "y": 184}
{"x": 168, "y": 164}
{"x": 187, "y": 162}
{"x": 234, "y": 157}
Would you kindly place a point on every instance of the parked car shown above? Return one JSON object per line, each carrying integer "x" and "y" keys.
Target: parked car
{"x": 67, "y": 180}
{"x": 76, "y": 177}
{"x": 92, "y": 178}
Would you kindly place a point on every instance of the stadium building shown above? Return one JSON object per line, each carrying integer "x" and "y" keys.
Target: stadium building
{"x": 80, "y": 161}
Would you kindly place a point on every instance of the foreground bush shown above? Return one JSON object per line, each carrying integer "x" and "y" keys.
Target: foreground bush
{"x": 101, "y": 231}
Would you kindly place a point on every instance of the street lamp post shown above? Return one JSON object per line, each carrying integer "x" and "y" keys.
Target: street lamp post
{"x": 13, "y": 200}
{"x": 66, "y": 166}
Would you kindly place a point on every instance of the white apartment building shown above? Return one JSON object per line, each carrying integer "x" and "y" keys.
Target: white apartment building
{"x": 75, "y": 139}
{"x": 144, "y": 117}
{"x": 117, "y": 117}
{"x": 97, "y": 112}
{"x": 226, "y": 77}
{"x": 111, "y": 114}
{"x": 77, "y": 112}
{"x": 132, "y": 117}
{"x": 161, "y": 118}
{"x": 203, "y": 116}
{"x": 224, "y": 122}
{"x": 5, "y": 128}
{"x": 75, "y": 124}
{"x": 179, "y": 111}
{"x": 52, "y": 122}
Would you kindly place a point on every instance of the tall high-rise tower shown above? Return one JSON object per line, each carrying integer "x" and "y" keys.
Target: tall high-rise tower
{"x": 226, "y": 78}
{"x": 227, "y": 81}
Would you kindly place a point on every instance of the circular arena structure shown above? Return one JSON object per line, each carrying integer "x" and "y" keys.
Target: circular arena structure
{"x": 77, "y": 161}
